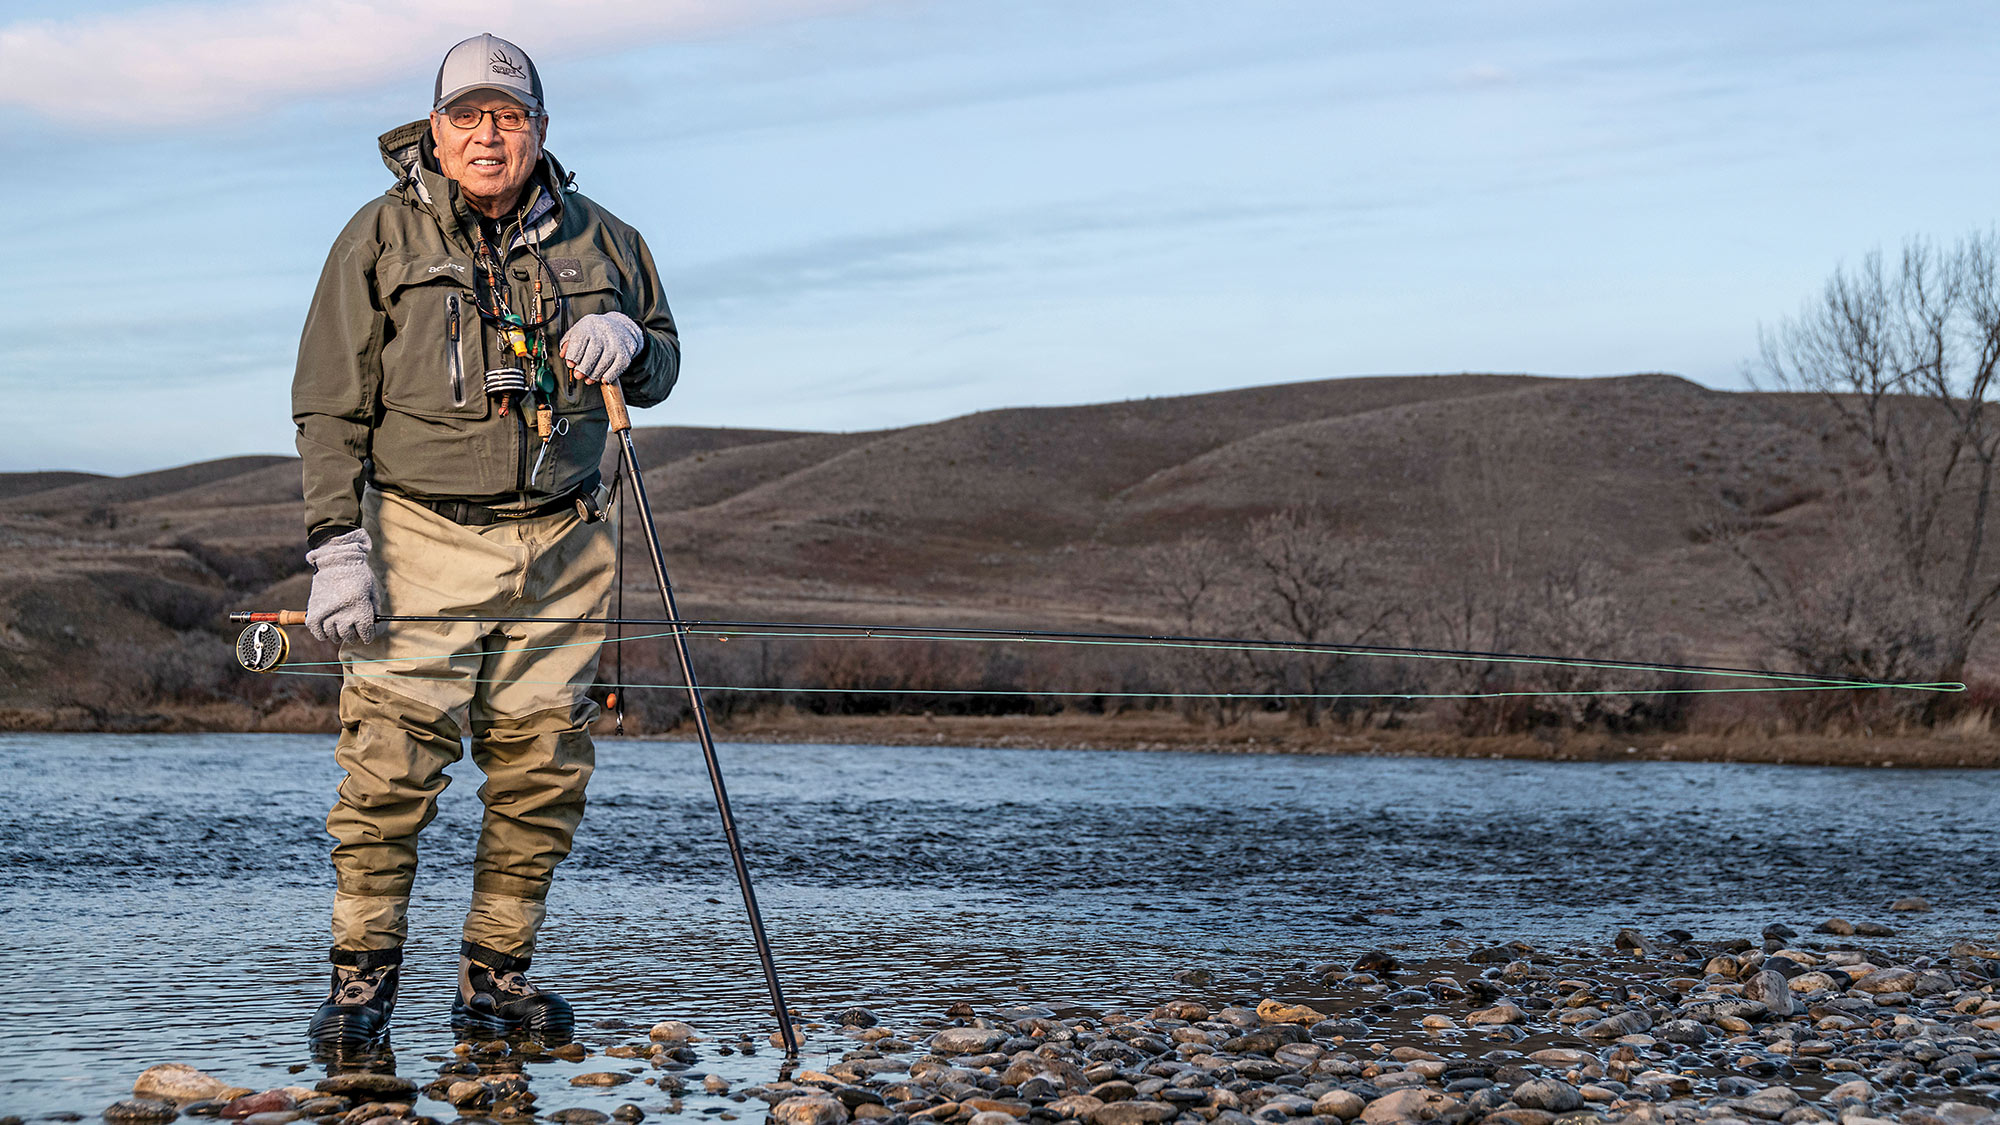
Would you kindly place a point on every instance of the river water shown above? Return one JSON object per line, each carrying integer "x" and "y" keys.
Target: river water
{"x": 164, "y": 897}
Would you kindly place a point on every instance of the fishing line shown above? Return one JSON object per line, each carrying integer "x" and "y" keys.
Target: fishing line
{"x": 1286, "y": 647}
{"x": 1067, "y": 694}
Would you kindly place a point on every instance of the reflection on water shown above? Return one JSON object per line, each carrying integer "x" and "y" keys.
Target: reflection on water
{"x": 165, "y": 896}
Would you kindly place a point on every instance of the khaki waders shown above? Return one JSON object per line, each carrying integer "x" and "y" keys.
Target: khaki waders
{"x": 517, "y": 688}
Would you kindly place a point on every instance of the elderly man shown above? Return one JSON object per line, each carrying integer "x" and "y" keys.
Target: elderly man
{"x": 451, "y": 434}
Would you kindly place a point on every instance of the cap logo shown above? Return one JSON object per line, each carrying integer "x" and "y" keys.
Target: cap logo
{"x": 501, "y": 64}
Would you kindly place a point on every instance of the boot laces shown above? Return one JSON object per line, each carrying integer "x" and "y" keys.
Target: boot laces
{"x": 513, "y": 983}
{"x": 356, "y": 987}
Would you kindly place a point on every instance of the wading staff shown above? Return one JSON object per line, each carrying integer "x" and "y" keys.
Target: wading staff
{"x": 621, "y": 424}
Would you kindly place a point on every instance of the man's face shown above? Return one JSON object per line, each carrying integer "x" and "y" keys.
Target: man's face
{"x": 491, "y": 164}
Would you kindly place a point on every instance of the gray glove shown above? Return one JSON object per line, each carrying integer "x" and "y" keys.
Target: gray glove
{"x": 600, "y": 346}
{"x": 341, "y": 607}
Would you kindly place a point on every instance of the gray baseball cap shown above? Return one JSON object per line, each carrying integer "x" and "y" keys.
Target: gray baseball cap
{"x": 488, "y": 62}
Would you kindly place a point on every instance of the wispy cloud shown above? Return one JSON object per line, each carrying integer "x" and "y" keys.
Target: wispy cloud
{"x": 1486, "y": 74}
{"x": 194, "y": 62}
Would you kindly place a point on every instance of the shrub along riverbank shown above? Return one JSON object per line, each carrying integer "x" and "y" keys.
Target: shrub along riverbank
{"x": 1965, "y": 745}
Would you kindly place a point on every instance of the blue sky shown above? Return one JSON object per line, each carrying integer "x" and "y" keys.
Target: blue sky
{"x": 872, "y": 214}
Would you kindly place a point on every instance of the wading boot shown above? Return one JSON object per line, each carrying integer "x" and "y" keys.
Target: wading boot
{"x": 357, "y": 1007}
{"x": 494, "y": 999}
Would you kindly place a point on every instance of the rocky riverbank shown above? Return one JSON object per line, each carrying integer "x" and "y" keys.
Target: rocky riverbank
{"x": 1654, "y": 1029}
{"x": 1969, "y": 745}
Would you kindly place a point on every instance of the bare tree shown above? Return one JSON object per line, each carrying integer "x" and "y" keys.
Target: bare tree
{"x": 1904, "y": 356}
{"x": 1479, "y": 598}
{"x": 1850, "y": 614}
{"x": 1307, "y": 587}
{"x": 1195, "y": 577}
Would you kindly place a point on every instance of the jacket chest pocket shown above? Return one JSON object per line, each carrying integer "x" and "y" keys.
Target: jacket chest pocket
{"x": 589, "y": 285}
{"x": 433, "y": 364}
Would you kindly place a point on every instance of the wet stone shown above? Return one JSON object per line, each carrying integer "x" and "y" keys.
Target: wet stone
{"x": 579, "y": 1116}
{"x": 810, "y": 1109}
{"x": 1377, "y": 961}
{"x": 1686, "y": 1032}
{"x": 671, "y": 1031}
{"x": 139, "y": 1111}
{"x": 966, "y": 1040}
{"x": 601, "y": 1078}
{"x": 1273, "y": 1011}
{"x": 1501, "y": 1013}
{"x": 1887, "y": 980}
{"x": 854, "y": 1097}
{"x": 1616, "y": 1026}
{"x": 1076, "y": 1106}
{"x": 1264, "y": 1040}
{"x": 1549, "y": 1094}
{"x": 1770, "y": 988}
{"x": 1343, "y": 1104}
{"x": 250, "y": 1104}
{"x": 366, "y": 1085}
{"x": 177, "y": 1082}
{"x": 1133, "y": 1113}
{"x": 1407, "y": 1105}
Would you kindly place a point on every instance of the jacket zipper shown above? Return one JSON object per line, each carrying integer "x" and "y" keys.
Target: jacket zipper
{"x": 454, "y": 363}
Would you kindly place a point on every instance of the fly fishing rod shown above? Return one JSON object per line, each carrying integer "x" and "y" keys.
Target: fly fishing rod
{"x": 621, "y": 424}
{"x": 272, "y": 650}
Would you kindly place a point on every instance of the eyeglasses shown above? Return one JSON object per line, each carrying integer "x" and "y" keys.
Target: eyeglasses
{"x": 509, "y": 119}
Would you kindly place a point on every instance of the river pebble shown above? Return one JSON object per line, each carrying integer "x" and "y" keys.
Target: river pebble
{"x": 141, "y": 1111}
{"x": 178, "y": 1083}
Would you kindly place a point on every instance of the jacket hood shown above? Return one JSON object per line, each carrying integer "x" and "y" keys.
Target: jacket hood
{"x": 407, "y": 150}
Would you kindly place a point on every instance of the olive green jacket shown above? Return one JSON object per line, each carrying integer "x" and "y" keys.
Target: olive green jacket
{"x": 390, "y": 382}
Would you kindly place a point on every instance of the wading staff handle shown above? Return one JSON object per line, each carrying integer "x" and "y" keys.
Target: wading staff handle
{"x": 614, "y": 407}
{"x": 281, "y": 617}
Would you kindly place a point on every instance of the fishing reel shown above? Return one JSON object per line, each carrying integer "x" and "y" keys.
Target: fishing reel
{"x": 262, "y": 646}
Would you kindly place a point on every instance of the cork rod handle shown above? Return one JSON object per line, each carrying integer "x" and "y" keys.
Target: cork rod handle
{"x": 614, "y": 407}
{"x": 278, "y": 616}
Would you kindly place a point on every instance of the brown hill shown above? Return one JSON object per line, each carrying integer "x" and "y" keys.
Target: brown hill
{"x": 96, "y": 492}
{"x": 1042, "y": 516}
{"x": 20, "y": 484}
